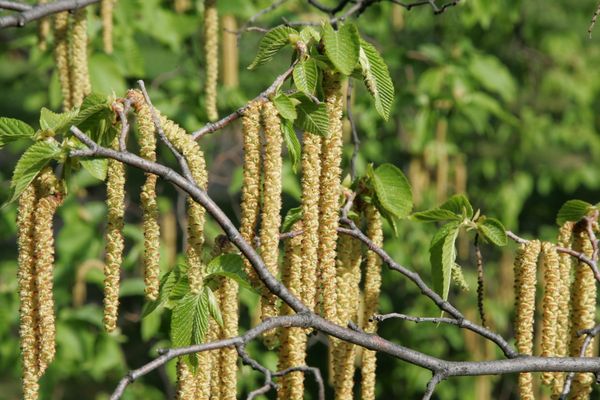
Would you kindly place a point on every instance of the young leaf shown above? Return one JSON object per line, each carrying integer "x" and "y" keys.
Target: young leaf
{"x": 271, "y": 43}
{"x": 167, "y": 282}
{"x": 305, "y": 76}
{"x": 292, "y": 143}
{"x": 458, "y": 204}
{"x": 213, "y": 306}
{"x": 230, "y": 266}
{"x": 309, "y": 33}
{"x": 392, "y": 190}
{"x": 493, "y": 231}
{"x": 572, "y": 210}
{"x": 13, "y": 129}
{"x": 285, "y": 106}
{"x": 313, "y": 117}
{"x": 377, "y": 78}
{"x": 293, "y": 215}
{"x": 201, "y": 314}
{"x": 436, "y": 215}
{"x": 36, "y": 157}
{"x": 342, "y": 46}
{"x": 94, "y": 109}
{"x": 182, "y": 320}
{"x": 58, "y": 123}
{"x": 442, "y": 255}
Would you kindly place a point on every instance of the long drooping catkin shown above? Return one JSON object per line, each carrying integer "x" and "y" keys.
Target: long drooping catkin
{"x": 211, "y": 54}
{"x": 147, "y": 139}
{"x": 61, "y": 55}
{"x": 550, "y": 301}
{"x": 27, "y": 293}
{"x": 43, "y": 30}
{"x": 331, "y": 156}
{"x": 293, "y": 340}
{"x": 230, "y": 52}
{"x": 229, "y": 356}
{"x": 106, "y": 13}
{"x": 270, "y": 216}
{"x": 371, "y": 293}
{"x": 525, "y": 281}
{"x": 251, "y": 181}
{"x": 311, "y": 171}
{"x": 564, "y": 303}
{"x": 80, "y": 77}
{"x": 115, "y": 204}
{"x": 583, "y": 310}
{"x": 43, "y": 236}
{"x": 186, "y": 384}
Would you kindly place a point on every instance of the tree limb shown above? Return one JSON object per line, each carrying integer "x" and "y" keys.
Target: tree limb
{"x": 41, "y": 11}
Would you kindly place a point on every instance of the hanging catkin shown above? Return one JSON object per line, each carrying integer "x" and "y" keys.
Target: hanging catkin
{"x": 229, "y": 356}
{"x": 27, "y": 293}
{"x": 270, "y": 216}
{"x": 43, "y": 30}
{"x": 115, "y": 204}
{"x": 329, "y": 201}
{"x": 182, "y": 6}
{"x": 371, "y": 294}
{"x": 106, "y": 13}
{"x": 251, "y": 180}
{"x": 211, "y": 53}
{"x": 564, "y": 303}
{"x": 61, "y": 55}
{"x": 230, "y": 52}
{"x": 186, "y": 384}
{"x": 525, "y": 281}
{"x": 293, "y": 340}
{"x": 550, "y": 301}
{"x": 583, "y": 309}
{"x": 147, "y": 139}
{"x": 80, "y": 77}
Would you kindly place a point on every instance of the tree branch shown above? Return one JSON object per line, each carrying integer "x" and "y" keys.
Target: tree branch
{"x": 14, "y": 6}
{"x": 41, "y": 11}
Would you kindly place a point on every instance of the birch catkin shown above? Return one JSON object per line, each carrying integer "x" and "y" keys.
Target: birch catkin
{"x": 270, "y": 216}
{"x": 106, "y": 13}
{"x": 550, "y": 301}
{"x": 211, "y": 53}
{"x": 115, "y": 203}
{"x": 43, "y": 30}
{"x": 80, "y": 78}
{"x": 61, "y": 55}
{"x": 371, "y": 294}
{"x": 525, "y": 281}
{"x": 186, "y": 384}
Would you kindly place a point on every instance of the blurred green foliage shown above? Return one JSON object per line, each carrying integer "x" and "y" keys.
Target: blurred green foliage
{"x": 502, "y": 91}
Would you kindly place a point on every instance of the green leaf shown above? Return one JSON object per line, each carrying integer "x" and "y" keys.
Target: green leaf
{"x": 95, "y": 110}
{"x": 201, "y": 314}
{"x": 493, "y": 231}
{"x": 377, "y": 78}
{"x": 36, "y": 157}
{"x": 271, "y": 43}
{"x": 572, "y": 210}
{"x": 213, "y": 306}
{"x": 285, "y": 106}
{"x": 293, "y": 215}
{"x": 292, "y": 143}
{"x": 435, "y": 215}
{"x": 342, "y": 46}
{"x": 230, "y": 266}
{"x": 313, "y": 117}
{"x": 392, "y": 190}
{"x": 13, "y": 129}
{"x": 182, "y": 320}
{"x": 97, "y": 167}
{"x": 442, "y": 255}
{"x": 167, "y": 289}
{"x": 459, "y": 205}
{"x": 58, "y": 123}
{"x": 309, "y": 33}
{"x": 306, "y": 75}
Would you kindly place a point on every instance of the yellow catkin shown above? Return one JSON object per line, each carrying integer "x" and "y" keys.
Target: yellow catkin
{"x": 215, "y": 333}
{"x": 251, "y": 180}
{"x": 371, "y": 301}
{"x": 43, "y": 236}
{"x": 583, "y": 308}
{"x": 348, "y": 293}
{"x": 311, "y": 171}
{"x": 80, "y": 77}
{"x": 186, "y": 384}
{"x": 229, "y": 356}
{"x": 147, "y": 139}
{"x": 211, "y": 53}
{"x": 106, "y": 13}
{"x": 564, "y": 304}
{"x": 27, "y": 293}
{"x": 115, "y": 204}
{"x": 550, "y": 302}
{"x": 61, "y": 55}
{"x": 270, "y": 216}
{"x": 230, "y": 52}
{"x": 293, "y": 340}
{"x": 43, "y": 30}
{"x": 204, "y": 371}
{"x": 182, "y": 6}
{"x": 329, "y": 200}
{"x": 525, "y": 281}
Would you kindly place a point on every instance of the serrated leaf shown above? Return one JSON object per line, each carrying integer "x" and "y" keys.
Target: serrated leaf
{"x": 392, "y": 190}
{"x": 230, "y": 266}
{"x": 435, "y": 215}
{"x": 292, "y": 143}
{"x": 213, "y": 306}
{"x": 201, "y": 315}
{"x": 36, "y": 157}
{"x": 97, "y": 167}
{"x": 572, "y": 210}
{"x": 293, "y": 215}
{"x": 285, "y": 106}
{"x": 94, "y": 109}
{"x": 377, "y": 78}
{"x": 312, "y": 117}
{"x": 493, "y": 231}
{"x": 305, "y": 76}
{"x": 271, "y": 43}
{"x": 442, "y": 255}
{"x": 309, "y": 33}
{"x": 342, "y": 46}
{"x": 182, "y": 320}
{"x": 458, "y": 204}
{"x": 58, "y": 123}
{"x": 12, "y": 129}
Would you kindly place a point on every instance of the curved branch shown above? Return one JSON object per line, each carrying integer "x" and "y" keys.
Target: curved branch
{"x": 14, "y": 6}
{"x": 41, "y": 11}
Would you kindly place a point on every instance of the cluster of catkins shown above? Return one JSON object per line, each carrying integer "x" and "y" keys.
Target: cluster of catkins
{"x": 568, "y": 306}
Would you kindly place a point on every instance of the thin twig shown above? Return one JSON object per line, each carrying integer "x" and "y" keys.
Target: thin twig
{"x": 14, "y": 6}
{"x": 431, "y": 385}
{"x": 43, "y": 10}
{"x": 590, "y": 334}
{"x": 417, "y": 320}
{"x": 246, "y": 25}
